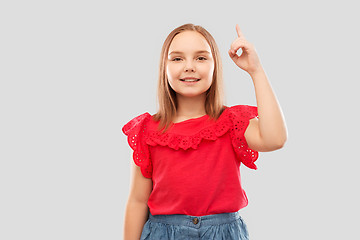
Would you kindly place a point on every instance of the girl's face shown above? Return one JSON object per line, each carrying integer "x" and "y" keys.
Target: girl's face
{"x": 189, "y": 56}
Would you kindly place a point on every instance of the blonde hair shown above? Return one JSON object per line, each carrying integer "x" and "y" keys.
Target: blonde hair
{"x": 167, "y": 96}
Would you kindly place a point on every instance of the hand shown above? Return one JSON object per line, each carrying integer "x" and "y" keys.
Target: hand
{"x": 248, "y": 60}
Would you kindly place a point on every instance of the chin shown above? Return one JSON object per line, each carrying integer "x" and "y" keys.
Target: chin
{"x": 193, "y": 94}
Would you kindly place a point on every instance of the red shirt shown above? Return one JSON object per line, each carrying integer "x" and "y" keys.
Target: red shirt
{"x": 195, "y": 165}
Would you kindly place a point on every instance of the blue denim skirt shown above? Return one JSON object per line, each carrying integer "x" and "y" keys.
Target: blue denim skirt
{"x": 177, "y": 227}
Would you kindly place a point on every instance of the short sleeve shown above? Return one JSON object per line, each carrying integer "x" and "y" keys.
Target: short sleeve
{"x": 135, "y": 130}
{"x": 240, "y": 116}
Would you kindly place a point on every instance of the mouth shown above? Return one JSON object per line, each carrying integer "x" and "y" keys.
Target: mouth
{"x": 189, "y": 80}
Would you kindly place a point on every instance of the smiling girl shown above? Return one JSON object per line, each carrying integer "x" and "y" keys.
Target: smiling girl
{"x": 186, "y": 180}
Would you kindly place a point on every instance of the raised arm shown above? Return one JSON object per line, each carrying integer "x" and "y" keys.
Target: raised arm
{"x": 269, "y": 132}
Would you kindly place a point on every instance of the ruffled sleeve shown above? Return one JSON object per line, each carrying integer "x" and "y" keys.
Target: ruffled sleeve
{"x": 136, "y": 130}
{"x": 240, "y": 116}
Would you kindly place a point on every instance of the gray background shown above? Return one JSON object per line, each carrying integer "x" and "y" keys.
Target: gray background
{"x": 74, "y": 72}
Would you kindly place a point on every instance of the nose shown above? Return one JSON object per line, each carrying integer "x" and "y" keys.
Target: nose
{"x": 189, "y": 66}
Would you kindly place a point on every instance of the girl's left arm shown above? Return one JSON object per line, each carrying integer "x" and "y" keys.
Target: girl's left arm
{"x": 269, "y": 132}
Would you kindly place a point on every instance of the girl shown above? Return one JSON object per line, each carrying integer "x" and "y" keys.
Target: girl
{"x": 186, "y": 179}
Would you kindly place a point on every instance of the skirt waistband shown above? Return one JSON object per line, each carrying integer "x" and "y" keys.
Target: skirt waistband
{"x": 195, "y": 221}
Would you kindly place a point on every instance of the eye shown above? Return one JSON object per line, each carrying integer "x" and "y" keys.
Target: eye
{"x": 200, "y": 58}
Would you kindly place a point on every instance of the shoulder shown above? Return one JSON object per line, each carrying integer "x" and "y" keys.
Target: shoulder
{"x": 136, "y": 122}
{"x": 243, "y": 111}
{"x": 239, "y": 107}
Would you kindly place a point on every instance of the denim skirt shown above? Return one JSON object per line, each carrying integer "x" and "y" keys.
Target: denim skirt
{"x": 227, "y": 226}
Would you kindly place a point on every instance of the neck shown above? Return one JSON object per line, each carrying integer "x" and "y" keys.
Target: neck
{"x": 191, "y": 106}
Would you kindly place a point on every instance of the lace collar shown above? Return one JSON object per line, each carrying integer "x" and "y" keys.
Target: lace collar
{"x": 189, "y": 133}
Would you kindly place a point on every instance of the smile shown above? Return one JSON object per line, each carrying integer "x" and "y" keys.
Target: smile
{"x": 190, "y": 80}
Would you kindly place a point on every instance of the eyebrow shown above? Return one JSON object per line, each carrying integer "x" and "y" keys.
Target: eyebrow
{"x": 201, "y": 51}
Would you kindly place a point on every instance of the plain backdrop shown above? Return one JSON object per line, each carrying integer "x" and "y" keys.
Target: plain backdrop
{"x": 74, "y": 72}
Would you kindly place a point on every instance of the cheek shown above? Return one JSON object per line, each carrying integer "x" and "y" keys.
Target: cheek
{"x": 208, "y": 69}
{"x": 172, "y": 76}
{"x": 173, "y": 70}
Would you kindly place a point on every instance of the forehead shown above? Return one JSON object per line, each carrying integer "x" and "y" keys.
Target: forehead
{"x": 189, "y": 41}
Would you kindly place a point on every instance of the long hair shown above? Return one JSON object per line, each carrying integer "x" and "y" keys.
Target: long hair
{"x": 214, "y": 103}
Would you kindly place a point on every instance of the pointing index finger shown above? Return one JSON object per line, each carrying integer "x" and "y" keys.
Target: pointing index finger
{"x": 239, "y": 33}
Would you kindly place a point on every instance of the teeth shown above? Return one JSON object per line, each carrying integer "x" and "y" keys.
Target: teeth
{"x": 188, "y": 80}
